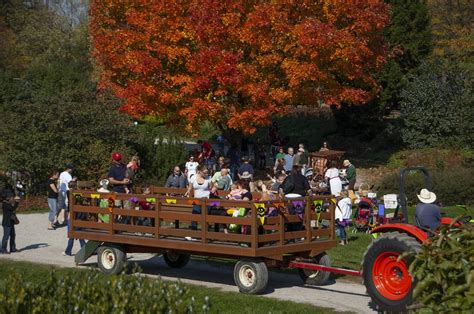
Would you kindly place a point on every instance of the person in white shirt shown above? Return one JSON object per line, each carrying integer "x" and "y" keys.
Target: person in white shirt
{"x": 201, "y": 185}
{"x": 332, "y": 175}
{"x": 64, "y": 179}
{"x": 343, "y": 215}
{"x": 191, "y": 168}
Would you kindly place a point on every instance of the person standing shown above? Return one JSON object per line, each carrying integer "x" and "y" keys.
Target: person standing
{"x": 176, "y": 179}
{"x": 53, "y": 198}
{"x": 289, "y": 158}
{"x": 350, "y": 174}
{"x": 201, "y": 185}
{"x": 234, "y": 157}
{"x": 70, "y": 241}
{"x": 118, "y": 174}
{"x": 191, "y": 166}
{"x": 332, "y": 175}
{"x": 343, "y": 215}
{"x": 303, "y": 158}
{"x": 10, "y": 204}
{"x": 64, "y": 179}
{"x": 324, "y": 147}
{"x": 245, "y": 167}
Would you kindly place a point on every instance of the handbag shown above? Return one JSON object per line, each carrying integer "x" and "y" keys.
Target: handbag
{"x": 15, "y": 219}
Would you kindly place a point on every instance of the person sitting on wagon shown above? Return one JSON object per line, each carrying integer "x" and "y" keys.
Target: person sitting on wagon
{"x": 295, "y": 185}
{"x": 222, "y": 180}
{"x": 176, "y": 179}
{"x": 427, "y": 214}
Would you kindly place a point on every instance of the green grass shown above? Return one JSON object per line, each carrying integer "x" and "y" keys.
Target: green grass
{"x": 221, "y": 302}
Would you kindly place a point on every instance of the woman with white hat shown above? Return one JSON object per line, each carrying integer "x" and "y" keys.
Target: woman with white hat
{"x": 427, "y": 214}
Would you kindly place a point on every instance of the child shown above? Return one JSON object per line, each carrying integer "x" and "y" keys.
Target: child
{"x": 235, "y": 192}
{"x": 10, "y": 205}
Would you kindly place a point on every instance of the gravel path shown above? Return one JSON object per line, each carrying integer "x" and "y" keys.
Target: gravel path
{"x": 39, "y": 245}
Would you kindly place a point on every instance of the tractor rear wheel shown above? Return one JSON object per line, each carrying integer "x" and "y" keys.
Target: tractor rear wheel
{"x": 386, "y": 278}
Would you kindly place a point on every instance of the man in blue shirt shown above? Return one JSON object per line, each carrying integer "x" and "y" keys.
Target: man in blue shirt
{"x": 427, "y": 214}
{"x": 245, "y": 167}
{"x": 289, "y": 158}
{"x": 118, "y": 174}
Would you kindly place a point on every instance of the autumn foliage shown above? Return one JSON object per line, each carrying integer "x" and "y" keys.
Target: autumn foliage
{"x": 235, "y": 63}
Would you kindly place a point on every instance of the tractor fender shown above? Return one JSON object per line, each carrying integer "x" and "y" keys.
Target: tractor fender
{"x": 448, "y": 221}
{"x": 411, "y": 230}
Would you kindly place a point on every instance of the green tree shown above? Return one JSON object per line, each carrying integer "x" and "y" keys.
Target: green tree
{"x": 437, "y": 109}
{"x": 50, "y": 109}
{"x": 410, "y": 40}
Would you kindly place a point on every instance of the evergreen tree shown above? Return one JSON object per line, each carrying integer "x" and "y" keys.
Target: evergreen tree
{"x": 410, "y": 40}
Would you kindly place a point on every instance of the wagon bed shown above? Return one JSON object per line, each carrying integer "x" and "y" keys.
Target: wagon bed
{"x": 170, "y": 214}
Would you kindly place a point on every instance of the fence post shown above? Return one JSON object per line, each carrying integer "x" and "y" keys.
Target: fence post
{"x": 203, "y": 221}
{"x": 307, "y": 215}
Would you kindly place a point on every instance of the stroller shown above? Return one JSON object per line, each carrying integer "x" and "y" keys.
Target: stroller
{"x": 365, "y": 216}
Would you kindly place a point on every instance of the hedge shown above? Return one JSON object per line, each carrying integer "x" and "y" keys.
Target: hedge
{"x": 92, "y": 292}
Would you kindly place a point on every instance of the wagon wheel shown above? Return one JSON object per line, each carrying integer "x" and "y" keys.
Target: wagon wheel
{"x": 176, "y": 260}
{"x": 316, "y": 277}
{"x": 386, "y": 278}
{"x": 111, "y": 259}
{"x": 251, "y": 276}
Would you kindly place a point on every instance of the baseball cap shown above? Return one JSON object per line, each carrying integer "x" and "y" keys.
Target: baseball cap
{"x": 116, "y": 156}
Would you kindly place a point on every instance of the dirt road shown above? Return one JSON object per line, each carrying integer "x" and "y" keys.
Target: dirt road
{"x": 40, "y": 245}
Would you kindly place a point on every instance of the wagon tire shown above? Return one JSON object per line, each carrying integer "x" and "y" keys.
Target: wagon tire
{"x": 176, "y": 260}
{"x": 387, "y": 280}
{"x": 251, "y": 276}
{"x": 316, "y": 277}
{"x": 111, "y": 259}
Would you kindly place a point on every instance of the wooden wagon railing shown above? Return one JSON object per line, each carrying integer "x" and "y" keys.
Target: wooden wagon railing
{"x": 160, "y": 221}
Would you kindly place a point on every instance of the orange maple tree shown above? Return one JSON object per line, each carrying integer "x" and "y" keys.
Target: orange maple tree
{"x": 236, "y": 63}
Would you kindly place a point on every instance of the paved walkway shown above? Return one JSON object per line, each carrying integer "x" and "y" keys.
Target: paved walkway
{"x": 40, "y": 245}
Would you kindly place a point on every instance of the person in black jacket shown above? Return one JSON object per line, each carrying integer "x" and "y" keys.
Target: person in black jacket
{"x": 10, "y": 204}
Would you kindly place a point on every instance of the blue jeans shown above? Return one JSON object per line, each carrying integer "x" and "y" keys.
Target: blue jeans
{"x": 8, "y": 233}
{"x": 62, "y": 199}
{"x": 70, "y": 244}
{"x": 53, "y": 209}
{"x": 341, "y": 228}
{"x": 196, "y": 210}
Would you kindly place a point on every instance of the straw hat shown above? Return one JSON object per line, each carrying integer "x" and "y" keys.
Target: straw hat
{"x": 426, "y": 196}
{"x": 346, "y": 163}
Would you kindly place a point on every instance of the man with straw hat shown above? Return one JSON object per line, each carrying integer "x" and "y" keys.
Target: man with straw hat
{"x": 427, "y": 214}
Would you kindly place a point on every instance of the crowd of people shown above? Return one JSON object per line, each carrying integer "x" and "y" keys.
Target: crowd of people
{"x": 206, "y": 173}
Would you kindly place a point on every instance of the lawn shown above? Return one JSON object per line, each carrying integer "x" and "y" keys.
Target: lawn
{"x": 221, "y": 302}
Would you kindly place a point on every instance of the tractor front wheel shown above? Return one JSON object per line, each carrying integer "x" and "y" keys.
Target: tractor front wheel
{"x": 386, "y": 277}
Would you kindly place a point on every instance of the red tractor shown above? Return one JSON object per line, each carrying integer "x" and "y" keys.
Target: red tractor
{"x": 386, "y": 277}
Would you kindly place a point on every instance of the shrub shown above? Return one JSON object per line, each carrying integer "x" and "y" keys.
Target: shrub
{"x": 158, "y": 153}
{"x": 452, "y": 186}
{"x": 92, "y": 292}
{"x": 444, "y": 271}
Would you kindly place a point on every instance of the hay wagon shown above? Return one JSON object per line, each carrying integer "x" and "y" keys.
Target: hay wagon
{"x": 280, "y": 233}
